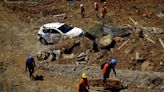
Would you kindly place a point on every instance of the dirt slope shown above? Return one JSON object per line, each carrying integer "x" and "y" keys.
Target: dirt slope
{"x": 143, "y": 11}
{"x": 18, "y": 38}
{"x": 17, "y": 41}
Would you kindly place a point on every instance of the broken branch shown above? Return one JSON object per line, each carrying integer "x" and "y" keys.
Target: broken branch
{"x": 149, "y": 39}
{"x": 135, "y": 23}
{"x": 123, "y": 44}
{"x": 160, "y": 40}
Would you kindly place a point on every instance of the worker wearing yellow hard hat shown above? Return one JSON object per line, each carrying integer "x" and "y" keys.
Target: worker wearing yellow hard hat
{"x": 84, "y": 75}
{"x": 83, "y": 83}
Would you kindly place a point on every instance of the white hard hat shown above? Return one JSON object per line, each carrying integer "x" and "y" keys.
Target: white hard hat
{"x": 81, "y": 5}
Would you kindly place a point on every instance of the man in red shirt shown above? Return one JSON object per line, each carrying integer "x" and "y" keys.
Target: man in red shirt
{"x": 107, "y": 69}
{"x": 103, "y": 13}
{"x": 83, "y": 84}
{"x": 96, "y": 7}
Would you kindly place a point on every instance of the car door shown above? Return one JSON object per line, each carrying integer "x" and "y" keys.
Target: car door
{"x": 55, "y": 35}
{"x": 47, "y": 35}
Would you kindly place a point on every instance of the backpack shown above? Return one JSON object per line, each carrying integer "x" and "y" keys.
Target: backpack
{"x": 102, "y": 65}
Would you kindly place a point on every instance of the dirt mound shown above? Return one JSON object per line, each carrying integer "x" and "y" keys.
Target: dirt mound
{"x": 139, "y": 49}
{"x": 112, "y": 84}
{"x": 34, "y": 11}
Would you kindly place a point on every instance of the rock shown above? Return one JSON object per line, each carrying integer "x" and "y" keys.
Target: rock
{"x": 137, "y": 33}
{"x": 105, "y": 41}
{"x": 127, "y": 51}
{"x": 138, "y": 57}
{"x": 82, "y": 57}
{"x": 147, "y": 66}
{"x": 132, "y": 60}
{"x": 81, "y": 62}
{"x": 57, "y": 53}
{"x": 52, "y": 57}
{"x": 42, "y": 55}
{"x": 152, "y": 53}
{"x": 68, "y": 56}
{"x": 118, "y": 39}
{"x": 162, "y": 88}
{"x": 112, "y": 50}
{"x": 161, "y": 63}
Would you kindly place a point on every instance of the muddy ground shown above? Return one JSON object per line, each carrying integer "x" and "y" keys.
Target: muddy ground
{"x": 18, "y": 39}
{"x": 142, "y": 11}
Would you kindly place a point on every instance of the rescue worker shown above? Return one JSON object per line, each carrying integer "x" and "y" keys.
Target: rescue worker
{"x": 82, "y": 10}
{"x": 107, "y": 69}
{"x": 30, "y": 64}
{"x": 83, "y": 84}
{"x": 96, "y": 7}
{"x": 104, "y": 4}
{"x": 103, "y": 13}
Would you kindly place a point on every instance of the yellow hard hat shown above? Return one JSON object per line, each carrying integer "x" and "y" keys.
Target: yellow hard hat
{"x": 84, "y": 75}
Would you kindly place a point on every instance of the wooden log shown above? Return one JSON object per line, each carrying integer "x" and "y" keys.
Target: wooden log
{"x": 152, "y": 41}
{"x": 160, "y": 40}
{"x": 60, "y": 15}
{"x": 123, "y": 44}
{"x": 135, "y": 23}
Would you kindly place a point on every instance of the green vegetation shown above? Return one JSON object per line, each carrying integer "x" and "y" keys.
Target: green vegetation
{"x": 97, "y": 30}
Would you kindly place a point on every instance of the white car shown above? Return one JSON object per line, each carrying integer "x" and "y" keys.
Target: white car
{"x": 53, "y": 32}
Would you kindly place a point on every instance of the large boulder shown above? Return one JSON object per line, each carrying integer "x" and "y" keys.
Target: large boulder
{"x": 105, "y": 41}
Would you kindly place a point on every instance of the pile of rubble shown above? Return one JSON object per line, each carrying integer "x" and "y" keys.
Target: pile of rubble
{"x": 78, "y": 49}
{"x": 137, "y": 50}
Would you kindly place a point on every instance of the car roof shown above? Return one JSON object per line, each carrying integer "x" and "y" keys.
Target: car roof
{"x": 53, "y": 25}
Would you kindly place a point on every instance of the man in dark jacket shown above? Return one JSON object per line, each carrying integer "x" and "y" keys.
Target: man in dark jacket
{"x": 30, "y": 64}
{"x": 82, "y": 10}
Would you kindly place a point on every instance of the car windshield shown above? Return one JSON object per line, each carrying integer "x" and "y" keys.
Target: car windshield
{"x": 65, "y": 28}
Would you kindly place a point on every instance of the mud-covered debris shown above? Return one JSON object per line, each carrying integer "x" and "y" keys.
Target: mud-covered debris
{"x": 161, "y": 63}
{"x": 82, "y": 57}
{"x": 111, "y": 84}
{"x": 42, "y": 55}
{"x": 139, "y": 57}
{"x": 147, "y": 66}
{"x": 68, "y": 56}
{"x": 51, "y": 55}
